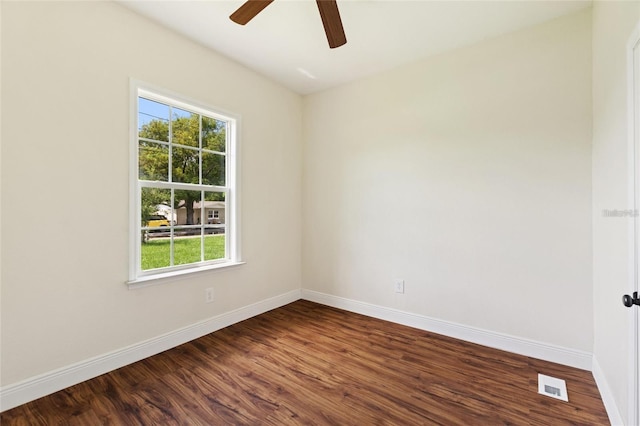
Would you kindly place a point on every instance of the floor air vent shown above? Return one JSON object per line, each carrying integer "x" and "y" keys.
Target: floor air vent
{"x": 550, "y": 386}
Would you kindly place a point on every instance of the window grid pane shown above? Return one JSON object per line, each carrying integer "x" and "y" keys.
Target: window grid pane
{"x": 153, "y": 161}
{"x": 178, "y": 146}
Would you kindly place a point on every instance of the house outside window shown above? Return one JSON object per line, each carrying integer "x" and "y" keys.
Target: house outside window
{"x": 183, "y": 170}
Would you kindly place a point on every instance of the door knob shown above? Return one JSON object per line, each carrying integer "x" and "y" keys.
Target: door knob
{"x": 629, "y": 301}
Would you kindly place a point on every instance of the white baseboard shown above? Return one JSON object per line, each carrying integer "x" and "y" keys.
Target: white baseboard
{"x": 531, "y": 348}
{"x": 605, "y": 393}
{"x": 45, "y": 384}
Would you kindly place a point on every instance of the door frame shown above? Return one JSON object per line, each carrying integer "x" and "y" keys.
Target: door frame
{"x": 633, "y": 108}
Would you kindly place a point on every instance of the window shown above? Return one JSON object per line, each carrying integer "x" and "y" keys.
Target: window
{"x": 183, "y": 166}
{"x": 213, "y": 215}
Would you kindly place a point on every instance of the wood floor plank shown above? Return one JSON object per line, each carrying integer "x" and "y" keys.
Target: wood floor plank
{"x": 307, "y": 363}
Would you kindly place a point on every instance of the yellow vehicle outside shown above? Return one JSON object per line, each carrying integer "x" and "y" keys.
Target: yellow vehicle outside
{"x": 157, "y": 221}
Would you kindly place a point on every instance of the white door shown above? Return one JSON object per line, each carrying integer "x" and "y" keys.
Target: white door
{"x": 634, "y": 315}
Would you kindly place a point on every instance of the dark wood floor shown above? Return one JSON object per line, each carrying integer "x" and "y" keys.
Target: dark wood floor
{"x": 306, "y": 363}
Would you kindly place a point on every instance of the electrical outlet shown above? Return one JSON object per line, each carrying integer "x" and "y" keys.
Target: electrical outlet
{"x": 208, "y": 295}
{"x": 399, "y": 286}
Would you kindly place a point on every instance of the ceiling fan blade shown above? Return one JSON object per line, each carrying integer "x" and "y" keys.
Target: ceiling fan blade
{"x": 332, "y": 22}
{"x": 248, "y": 11}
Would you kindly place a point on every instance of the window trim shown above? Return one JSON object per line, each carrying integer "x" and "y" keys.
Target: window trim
{"x": 138, "y": 277}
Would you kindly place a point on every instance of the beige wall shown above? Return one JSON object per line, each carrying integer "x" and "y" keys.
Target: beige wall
{"x": 469, "y": 176}
{"x": 613, "y": 23}
{"x": 65, "y": 95}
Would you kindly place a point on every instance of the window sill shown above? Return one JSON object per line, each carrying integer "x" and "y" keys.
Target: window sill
{"x": 162, "y": 278}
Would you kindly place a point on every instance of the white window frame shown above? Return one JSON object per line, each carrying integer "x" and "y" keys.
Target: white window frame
{"x": 142, "y": 278}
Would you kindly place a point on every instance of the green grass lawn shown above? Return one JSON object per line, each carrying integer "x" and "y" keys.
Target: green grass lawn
{"x": 156, "y": 252}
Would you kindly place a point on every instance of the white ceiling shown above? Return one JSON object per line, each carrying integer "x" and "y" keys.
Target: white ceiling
{"x": 286, "y": 41}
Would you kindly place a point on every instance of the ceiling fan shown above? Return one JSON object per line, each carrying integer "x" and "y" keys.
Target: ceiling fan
{"x": 328, "y": 12}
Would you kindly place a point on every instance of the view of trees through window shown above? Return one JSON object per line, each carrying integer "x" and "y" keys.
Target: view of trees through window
{"x": 182, "y": 166}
